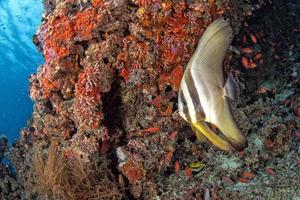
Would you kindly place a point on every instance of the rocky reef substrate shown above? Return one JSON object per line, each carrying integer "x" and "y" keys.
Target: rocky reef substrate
{"x": 105, "y": 124}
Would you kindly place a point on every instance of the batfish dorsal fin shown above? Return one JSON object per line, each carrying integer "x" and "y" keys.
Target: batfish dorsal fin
{"x": 211, "y": 50}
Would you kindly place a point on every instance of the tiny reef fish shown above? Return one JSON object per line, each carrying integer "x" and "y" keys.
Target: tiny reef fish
{"x": 203, "y": 94}
{"x": 196, "y": 166}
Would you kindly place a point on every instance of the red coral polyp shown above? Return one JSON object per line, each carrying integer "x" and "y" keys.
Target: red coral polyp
{"x": 88, "y": 83}
{"x": 143, "y": 3}
{"x": 48, "y": 80}
{"x": 177, "y": 23}
{"x": 84, "y": 24}
{"x": 134, "y": 171}
{"x": 173, "y": 79}
{"x": 58, "y": 35}
{"x": 97, "y": 3}
{"x": 87, "y": 113}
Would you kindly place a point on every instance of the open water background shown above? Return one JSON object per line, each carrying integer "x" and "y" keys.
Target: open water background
{"x": 19, "y": 20}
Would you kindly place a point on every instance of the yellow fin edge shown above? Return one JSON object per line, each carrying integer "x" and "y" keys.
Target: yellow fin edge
{"x": 199, "y": 135}
{"x": 211, "y": 136}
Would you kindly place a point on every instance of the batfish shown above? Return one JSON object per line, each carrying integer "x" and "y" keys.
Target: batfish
{"x": 204, "y": 94}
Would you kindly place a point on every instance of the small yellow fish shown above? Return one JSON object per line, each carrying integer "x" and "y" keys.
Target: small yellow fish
{"x": 203, "y": 94}
{"x": 196, "y": 166}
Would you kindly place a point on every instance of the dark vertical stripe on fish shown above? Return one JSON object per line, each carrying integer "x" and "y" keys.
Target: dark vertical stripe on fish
{"x": 194, "y": 95}
{"x": 183, "y": 103}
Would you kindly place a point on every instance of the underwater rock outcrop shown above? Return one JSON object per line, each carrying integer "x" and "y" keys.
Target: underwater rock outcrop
{"x": 9, "y": 187}
{"x": 3, "y": 146}
{"x": 108, "y": 92}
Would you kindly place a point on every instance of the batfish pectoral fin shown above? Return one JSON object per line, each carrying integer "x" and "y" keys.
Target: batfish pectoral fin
{"x": 231, "y": 89}
{"x": 211, "y": 136}
{"x": 199, "y": 135}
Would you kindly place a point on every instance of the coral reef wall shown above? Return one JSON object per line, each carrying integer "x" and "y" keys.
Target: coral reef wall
{"x": 108, "y": 87}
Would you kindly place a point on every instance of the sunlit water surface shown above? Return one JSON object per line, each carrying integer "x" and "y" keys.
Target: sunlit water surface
{"x": 19, "y": 20}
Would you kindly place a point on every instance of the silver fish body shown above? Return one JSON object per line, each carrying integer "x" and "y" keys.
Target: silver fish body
{"x": 203, "y": 94}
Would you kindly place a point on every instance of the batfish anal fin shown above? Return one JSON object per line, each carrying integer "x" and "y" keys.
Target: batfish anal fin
{"x": 211, "y": 136}
{"x": 229, "y": 128}
{"x": 199, "y": 135}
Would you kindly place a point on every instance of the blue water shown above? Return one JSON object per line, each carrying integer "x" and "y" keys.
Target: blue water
{"x": 19, "y": 20}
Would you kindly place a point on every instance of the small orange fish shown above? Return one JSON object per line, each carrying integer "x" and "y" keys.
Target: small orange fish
{"x": 258, "y": 56}
{"x": 246, "y": 50}
{"x": 151, "y": 130}
{"x": 243, "y": 180}
{"x": 176, "y": 167}
{"x": 245, "y": 62}
{"x": 252, "y": 64}
{"x": 248, "y": 175}
{"x": 253, "y": 38}
{"x": 188, "y": 172}
{"x": 248, "y": 63}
